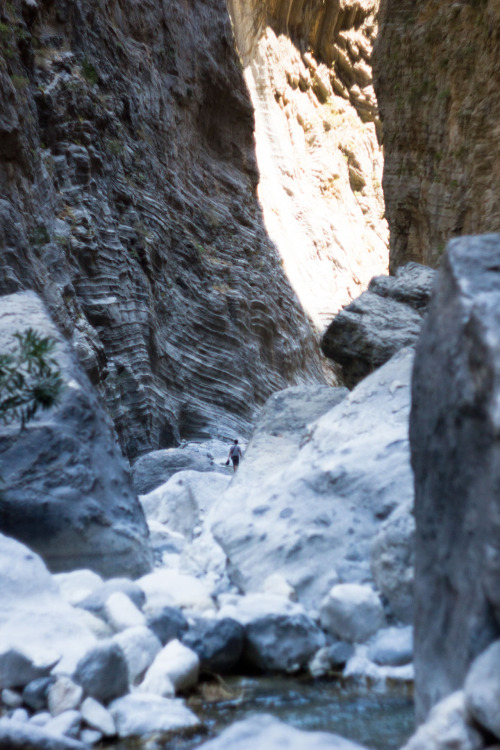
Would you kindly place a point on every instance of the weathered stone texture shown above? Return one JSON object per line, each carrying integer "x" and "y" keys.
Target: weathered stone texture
{"x": 127, "y": 184}
{"x": 67, "y": 493}
{"x": 436, "y": 66}
{"x": 307, "y": 66}
{"x": 454, "y": 431}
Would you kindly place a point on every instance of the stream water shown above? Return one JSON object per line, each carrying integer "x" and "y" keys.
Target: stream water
{"x": 381, "y": 719}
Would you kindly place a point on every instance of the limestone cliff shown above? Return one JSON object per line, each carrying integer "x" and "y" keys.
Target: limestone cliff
{"x": 436, "y": 68}
{"x": 128, "y": 200}
{"x": 308, "y": 70}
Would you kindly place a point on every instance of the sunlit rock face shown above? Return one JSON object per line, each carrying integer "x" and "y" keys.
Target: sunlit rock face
{"x": 436, "y": 76}
{"x": 128, "y": 201}
{"x": 308, "y": 70}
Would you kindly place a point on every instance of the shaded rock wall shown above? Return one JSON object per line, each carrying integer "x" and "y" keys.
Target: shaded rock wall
{"x": 436, "y": 68}
{"x": 127, "y": 179}
{"x": 308, "y": 71}
{"x": 454, "y": 429}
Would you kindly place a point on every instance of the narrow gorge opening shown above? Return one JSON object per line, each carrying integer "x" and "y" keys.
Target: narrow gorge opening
{"x": 308, "y": 72}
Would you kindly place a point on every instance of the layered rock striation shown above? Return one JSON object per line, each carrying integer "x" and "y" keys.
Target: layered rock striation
{"x": 436, "y": 69}
{"x": 128, "y": 177}
{"x": 308, "y": 71}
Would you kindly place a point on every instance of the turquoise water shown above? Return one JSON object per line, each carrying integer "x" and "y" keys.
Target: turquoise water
{"x": 381, "y": 720}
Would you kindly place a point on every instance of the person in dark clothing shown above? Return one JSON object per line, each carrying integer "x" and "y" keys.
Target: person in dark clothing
{"x": 235, "y": 453}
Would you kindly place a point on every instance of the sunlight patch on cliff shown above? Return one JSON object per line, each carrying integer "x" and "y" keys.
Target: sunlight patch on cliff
{"x": 320, "y": 170}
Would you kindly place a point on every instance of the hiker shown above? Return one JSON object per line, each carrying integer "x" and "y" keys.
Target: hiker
{"x": 235, "y": 453}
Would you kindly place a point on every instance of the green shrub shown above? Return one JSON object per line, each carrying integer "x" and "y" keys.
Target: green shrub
{"x": 29, "y": 378}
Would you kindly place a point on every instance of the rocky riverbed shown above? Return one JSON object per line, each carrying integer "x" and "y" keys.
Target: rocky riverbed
{"x": 225, "y": 583}
{"x": 299, "y": 566}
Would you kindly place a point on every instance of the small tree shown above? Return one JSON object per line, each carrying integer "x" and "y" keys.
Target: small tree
{"x": 29, "y": 378}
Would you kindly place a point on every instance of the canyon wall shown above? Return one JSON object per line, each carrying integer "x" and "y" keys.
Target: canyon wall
{"x": 436, "y": 68}
{"x": 308, "y": 70}
{"x": 128, "y": 201}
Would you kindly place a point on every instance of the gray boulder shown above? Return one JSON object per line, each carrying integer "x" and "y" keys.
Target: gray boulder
{"x": 454, "y": 429}
{"x": 367, "y": 332}
{"x": 263, "y": 731}
{"x": 167, "y": 623}
{"x": 218, "y": 644}
{"x": 281, "y": 643}
{"x": 412, "y": 285}
{"x": 380, "y": 322}
{"x": 35, "y": 694}
{"x": 155, "y": 468}
{"x": 67, "y": 491}
{"x": 306, "y": 503}
{"x": 103, "y": 672}
{"x": 17, "y": 669}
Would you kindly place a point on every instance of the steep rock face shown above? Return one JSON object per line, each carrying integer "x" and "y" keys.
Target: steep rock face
{"x": 454, "y": 444}
{"x": 312, "y": 493}
{"x": 436, "y": 69}
{"x": 128, "y": 178}
{"x": 66, "y": 492}
{"x": 308, "y": 70}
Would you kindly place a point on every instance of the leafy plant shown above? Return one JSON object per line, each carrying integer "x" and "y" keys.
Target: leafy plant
{"x": 29, "y": 378}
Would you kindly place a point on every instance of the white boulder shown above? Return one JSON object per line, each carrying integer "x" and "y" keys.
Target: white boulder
{"x": 181, "y": 502}
{"x": 352, "y": 612}
{"x": 482, "y": 689}
{"x": 142, "y": 714}
{"x": 34, "y": 618}
{"x": 97, "y": 717}
{"x": 173, "y": 589}
{"x": 64, "y": 695}
{"x": 446, "y": 727}
{"x": 121, "y": 613}
{"x": 176, "y": 666}
{"x": 140, "y": 647}
{"x": 268, "y": 733}
{"x": 77, "y": 584}
{"x": 308, "y": 500}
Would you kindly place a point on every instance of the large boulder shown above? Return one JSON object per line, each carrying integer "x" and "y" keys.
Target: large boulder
{"x": 448, "y": 726}
{"x": 455, "y": 422}
{"x": 143, "y": 714}
{"x": 35, "y": 621}
{"x": 281, "y": 643}
{"x": 352, "y": 612}
{"x": 308, "y": 499}
{"x": 182, "y": 501}
{"x": 154, "y": 469}
{"x": 380, "y": 322}
{"x": 263, "y": 731}
{"x": 66, "y": 492}
{"x": 218, "y": 644}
